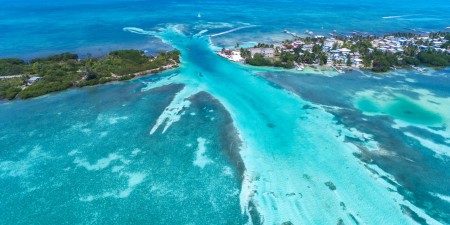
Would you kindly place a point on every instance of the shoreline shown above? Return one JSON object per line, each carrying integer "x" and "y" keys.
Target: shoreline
{"x": 324, "y": 68}
{"x": 5, "y": 101}
{"x": 340, "y": 52}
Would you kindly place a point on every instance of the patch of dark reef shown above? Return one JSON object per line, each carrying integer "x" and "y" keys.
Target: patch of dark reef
{"x": 229, "y": 135}
{"x": 408, "y": 212}
{"x": 229, "y": 140}
{"x": 330, "y": 185}
{"x": 354, "y": 219}
{"x": 256, "y": 217}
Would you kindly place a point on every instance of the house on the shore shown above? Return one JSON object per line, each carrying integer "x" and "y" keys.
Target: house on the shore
{"x": 266, "y": 52}
{"x": 33, "y": 80}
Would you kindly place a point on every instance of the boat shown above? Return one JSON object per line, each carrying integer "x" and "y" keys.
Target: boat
{"x": 300, "y": 67}
{"x": 420, "y": 69}
{"x": 198, "y": 15}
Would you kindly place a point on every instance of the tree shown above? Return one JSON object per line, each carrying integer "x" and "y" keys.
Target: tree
{"x": 90, "y": 74}
{"x": 335, "y": 46}
{"x": 322, "y": 59}
{"x": 317, "y": 49}
{"x": 367, "y": 61}
{"x": 349, "y": 60}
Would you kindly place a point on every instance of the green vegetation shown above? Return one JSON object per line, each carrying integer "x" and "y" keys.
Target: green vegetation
{"x": 433, "y": 58}
{"x": 285, "y": 60}
{"x": 258, "y": 60}
{"x": 383, "y": 61}
{"x": 9, "y": 88}
{"x": 11, "y": 66}
{"x": 60, "y": 72}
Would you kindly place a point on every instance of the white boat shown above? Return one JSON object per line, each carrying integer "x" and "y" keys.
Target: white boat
{"x": 420, "y": 69}
{"x": 300, "y": 67}
{"x": 198, "y": 15}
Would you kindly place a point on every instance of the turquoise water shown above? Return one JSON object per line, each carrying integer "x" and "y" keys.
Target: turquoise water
{"x": 214, "y": 142}
{"x": 160, "y": 150}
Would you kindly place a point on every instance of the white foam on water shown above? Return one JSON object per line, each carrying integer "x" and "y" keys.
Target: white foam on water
{"x": 137, "y": 30}
{"x": 200, "y": 33}
{"x": 32, "y": 133}
{"x": 445, "y": 133}
{"x": 365, "y": 138}
{"x": 81, "y": 127}
{"x": 106, "y": 119}
{"x": 73, "y": 152}
{"x": 114, "y": 120}
{"x": 440, "y": 150}
{"x": 213, "y": 25}
{"x": 86, "y": 130}
{"x": 173, "y": 112}
{"x": 227, "y": 171}
{"x": 134, "y": 179}
{"x": 410, "y": 80}
{"x": 103, "y": 134}
{"x": 201, "y": 160}
{"x": 232, "y": 30}
{"x": 88, "y": 198}
{"x": 247, "y": 193}
{"x": 192, "y": 114}
{"x": 22, "y": 167}
{"x": 441, "y": 196}
{"x": 399, "y": 16}
{"x": 116, "y": 169}
{"x": 136, "y": 151}
{"x": 100, "y": 164}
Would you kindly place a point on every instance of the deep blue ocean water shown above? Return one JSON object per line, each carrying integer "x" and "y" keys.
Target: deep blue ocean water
{"x": 30, "y": 27}
{"x": 220, "y": 143}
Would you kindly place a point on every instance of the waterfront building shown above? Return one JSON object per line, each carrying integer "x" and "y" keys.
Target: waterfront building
{"x": 33, "y": 80}
{"x": 266, "y": 52}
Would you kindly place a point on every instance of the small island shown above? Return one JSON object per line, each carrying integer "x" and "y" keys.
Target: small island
{"x": 346, "y": 52}
{"x": 26, "y": 79}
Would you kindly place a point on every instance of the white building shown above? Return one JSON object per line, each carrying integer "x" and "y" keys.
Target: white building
{"x": 266, "y": 52}
{"x": 33, "y": 80}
